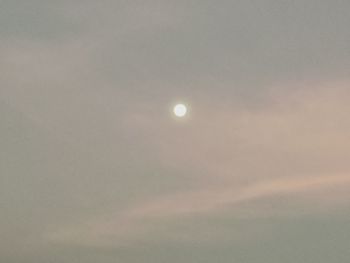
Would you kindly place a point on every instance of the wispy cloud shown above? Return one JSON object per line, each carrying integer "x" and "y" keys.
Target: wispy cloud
{"x": 275, "y": 143}
{"x": 89, "y": 153}
{"x": 321, "y": 194}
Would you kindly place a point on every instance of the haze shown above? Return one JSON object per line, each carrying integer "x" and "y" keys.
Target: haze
{"x": 94, "y": 167}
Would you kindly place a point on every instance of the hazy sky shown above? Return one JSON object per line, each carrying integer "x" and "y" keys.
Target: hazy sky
{"x": 94, "y": 167}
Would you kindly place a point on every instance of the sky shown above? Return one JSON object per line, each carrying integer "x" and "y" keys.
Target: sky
{"x": 94, "y": 167}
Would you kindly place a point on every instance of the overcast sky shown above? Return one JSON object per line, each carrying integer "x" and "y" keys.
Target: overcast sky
{"x": 95, "y": 168}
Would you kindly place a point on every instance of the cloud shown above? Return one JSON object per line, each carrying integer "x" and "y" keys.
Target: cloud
{"x": 291, "y": 153}
{"x": 91, "y": 157}
{"x": 321, "y": 194}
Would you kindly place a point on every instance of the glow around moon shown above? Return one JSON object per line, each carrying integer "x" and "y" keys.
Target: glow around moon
{"x": 180, "y": 110}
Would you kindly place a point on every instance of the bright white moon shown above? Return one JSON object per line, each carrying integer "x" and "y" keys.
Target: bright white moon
{"x": 180, "y": 110}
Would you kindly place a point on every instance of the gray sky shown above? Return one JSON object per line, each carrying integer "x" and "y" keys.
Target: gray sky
{"x": 94, "y": 167}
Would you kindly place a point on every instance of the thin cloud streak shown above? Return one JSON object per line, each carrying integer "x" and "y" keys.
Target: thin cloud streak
{"x": 132, "y": 225}
{"x": 215, "y": 199}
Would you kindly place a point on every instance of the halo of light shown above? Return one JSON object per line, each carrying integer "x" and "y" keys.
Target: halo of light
{"x": 180, "y": 110}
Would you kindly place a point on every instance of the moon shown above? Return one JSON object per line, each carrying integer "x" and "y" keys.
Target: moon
{"x": 180, "y": 110}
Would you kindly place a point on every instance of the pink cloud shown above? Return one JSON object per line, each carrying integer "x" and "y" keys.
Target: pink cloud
{"x": 296, "y": 147}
